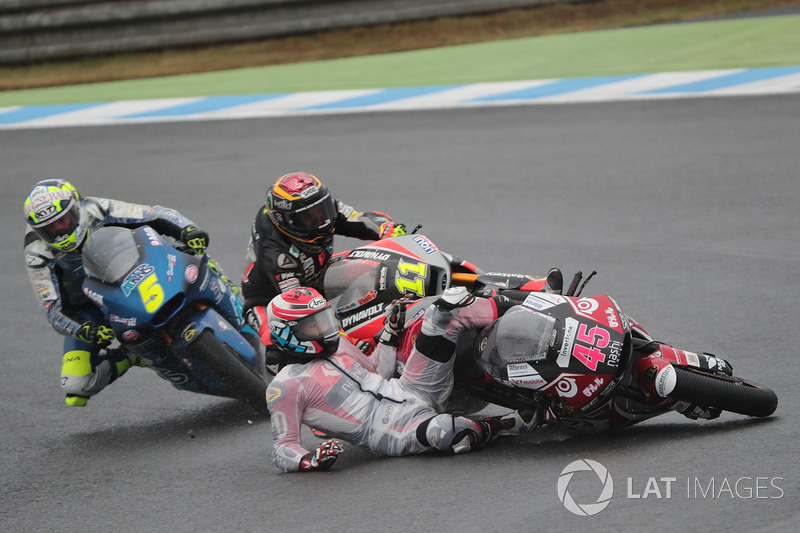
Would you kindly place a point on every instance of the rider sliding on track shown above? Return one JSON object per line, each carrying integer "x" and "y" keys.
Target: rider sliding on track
{"x": 332, "y": 386}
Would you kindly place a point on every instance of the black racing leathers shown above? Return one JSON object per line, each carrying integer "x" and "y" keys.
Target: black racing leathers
{"x": 275, "y": 263}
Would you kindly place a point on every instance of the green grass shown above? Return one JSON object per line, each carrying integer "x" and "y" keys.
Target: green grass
{"x": 739, "y": 43}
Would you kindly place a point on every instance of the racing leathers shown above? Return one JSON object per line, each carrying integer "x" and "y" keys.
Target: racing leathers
{"x": 275, "y": 263}
{"x": 351, "y": 396}
{"x": 57, "y": 280}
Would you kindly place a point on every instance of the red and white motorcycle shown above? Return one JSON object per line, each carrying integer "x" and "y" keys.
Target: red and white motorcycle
{"x": 576, "y": 361}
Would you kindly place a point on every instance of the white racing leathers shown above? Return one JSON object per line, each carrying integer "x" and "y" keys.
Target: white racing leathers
{"x": 345, "y": 397}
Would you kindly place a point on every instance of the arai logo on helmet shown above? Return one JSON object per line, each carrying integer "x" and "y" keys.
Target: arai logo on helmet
{"x": 316, "y": 303}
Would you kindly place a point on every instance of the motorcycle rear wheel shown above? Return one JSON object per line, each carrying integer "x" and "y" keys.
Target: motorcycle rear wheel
{"x": 726, "y": 393}
{"x": 245, "y": 384}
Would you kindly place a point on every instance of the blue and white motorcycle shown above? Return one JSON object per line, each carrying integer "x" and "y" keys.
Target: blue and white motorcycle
{"x": 164, "y": 307}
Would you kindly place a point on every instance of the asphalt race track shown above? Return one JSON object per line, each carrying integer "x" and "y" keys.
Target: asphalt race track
{"x": 688, "y": 210}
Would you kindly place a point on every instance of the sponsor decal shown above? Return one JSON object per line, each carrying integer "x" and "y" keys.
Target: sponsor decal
{"x": 152, "y": 236}
{"x": 692, "y": 359}
{"x": 614, "y": 354}
{"x": 524, "y": 375}
{"x": 427, "y": 246}
{"x": 130, "y": 335}
{"x": 309, "y": 191}
{"x": 362, "y": 315}
{"x": 665, "y": 381}
{"x": 135, "y": 277}
{"x": 281, "y": 203}
{"x": 273, "y": 394}
{"x": 387, "y": 413}
{"x": 382, "y": 279}
{"x": 371, "y": 295}
{"x": 308, "y": 266}
{"x": 191, "y": 273}
{"x": 540, "y": 304}
{"x": 565, "y": 385}
{"x": 570, "y": 329}
{"x": 287, "y": 284}
{"x": 594, "y": 386}
{"x": 316, "y": 303}
{"x": 286, "y": 261}
{"x": 40, "y": 197}
{"x": 171, "y": 261}
{"x": 611, "y": 316}
{"x": 122, "y": 320}
{"x": 190, "y": 332}
{"x": 587, "y": 305}
{"x": 369, "y": 254}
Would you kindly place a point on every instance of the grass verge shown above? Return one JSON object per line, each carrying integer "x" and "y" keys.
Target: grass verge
{"x": 362, "y": 41}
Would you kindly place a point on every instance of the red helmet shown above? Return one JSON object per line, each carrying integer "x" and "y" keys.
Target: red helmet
{"x": 301, "y": 321}
{"x": 301, "y": 207}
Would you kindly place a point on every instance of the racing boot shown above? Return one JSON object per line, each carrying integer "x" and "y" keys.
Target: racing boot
{"x": 514, "y": 423}
{"x": 694, "y": 412}
{"x": 714, "y": 364}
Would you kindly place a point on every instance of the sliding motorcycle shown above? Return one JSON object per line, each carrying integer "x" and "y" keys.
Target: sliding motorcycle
{"x": 163, "y": 305}
{"x": 577, "y": 362}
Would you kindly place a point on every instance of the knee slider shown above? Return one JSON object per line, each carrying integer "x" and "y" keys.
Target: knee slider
{"x": 447, "y": 433}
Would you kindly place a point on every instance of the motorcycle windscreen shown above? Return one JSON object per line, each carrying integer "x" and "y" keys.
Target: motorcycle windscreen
{"x": 110, "y": 253}
{"x": 349, "y": 283}
{"x": 524, "y": 335}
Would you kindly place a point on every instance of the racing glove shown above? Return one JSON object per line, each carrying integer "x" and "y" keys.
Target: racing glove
{"x": 454, "y": 297}
{"x": 390, "y": 229}
{"x": 395, "y": 320}
{"x": 195, "y": 239}
{"x": 96, "y": 334}
{"x": 323, "y": 456}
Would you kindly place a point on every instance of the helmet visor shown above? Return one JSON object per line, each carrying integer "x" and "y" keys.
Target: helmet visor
{"x": 317, "y": 326}
{"x": 312, "y": 220}
{"x": 60, "y": 229}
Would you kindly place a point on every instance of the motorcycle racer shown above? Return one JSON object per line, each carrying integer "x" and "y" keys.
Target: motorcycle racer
{"x": 291, "y": 240}
{"x": 60, "y": 221}
{"x": 333, "y": 387}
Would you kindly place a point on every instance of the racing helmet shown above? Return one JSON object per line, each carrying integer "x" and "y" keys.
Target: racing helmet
{"x": 301, "y": 321}
{"x": 302, "y": 208}
{"x": 55, "y": 211}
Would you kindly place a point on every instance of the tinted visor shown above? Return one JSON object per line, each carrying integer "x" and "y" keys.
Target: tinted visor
{"x": 524, "y": 335}
{"x": 60, "y": 228}
{"x": 313, "y": 219}
{"x": 317, "y": 326}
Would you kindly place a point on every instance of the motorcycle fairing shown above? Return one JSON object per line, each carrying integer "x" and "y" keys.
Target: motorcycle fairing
{"x": 157, "y": 311}
{"x": 364, "y": 280}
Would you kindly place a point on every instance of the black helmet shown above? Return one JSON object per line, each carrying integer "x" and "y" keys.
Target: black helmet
{"x": 301, "y": 207}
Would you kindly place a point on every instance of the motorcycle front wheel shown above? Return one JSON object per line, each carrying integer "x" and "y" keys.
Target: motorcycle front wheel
{"x": 723, "y": 392}
{"x": 241, "y": 380}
